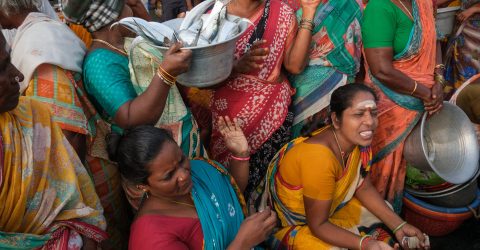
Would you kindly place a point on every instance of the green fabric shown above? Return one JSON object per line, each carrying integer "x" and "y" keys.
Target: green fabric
{"x": 385, "y": 25}
{"x": 107, "y": 82}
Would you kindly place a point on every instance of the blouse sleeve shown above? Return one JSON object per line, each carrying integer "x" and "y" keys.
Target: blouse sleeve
{"x": 378, "y": 27}
{"x": 314, "y": 168}
{"x": 108, "y": 81}
{"x": 146, "y": 235}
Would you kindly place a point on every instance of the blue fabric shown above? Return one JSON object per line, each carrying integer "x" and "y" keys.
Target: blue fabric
{"x": 107, "y": 81}
{"x": 217, "y": 204}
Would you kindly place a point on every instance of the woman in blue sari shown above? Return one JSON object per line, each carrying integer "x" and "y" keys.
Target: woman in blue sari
{"x": 188, "y": 204}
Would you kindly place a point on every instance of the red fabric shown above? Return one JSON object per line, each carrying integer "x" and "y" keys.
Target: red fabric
{"x": 259, "y": 99}
{"x": 165, "y": 232}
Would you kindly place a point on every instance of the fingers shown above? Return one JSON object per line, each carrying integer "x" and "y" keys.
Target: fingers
{"x": 175, "y": 48}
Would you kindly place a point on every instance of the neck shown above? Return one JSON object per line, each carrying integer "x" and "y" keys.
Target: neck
{"x": 112, "y": 36}
{"x": 346, "y": 146}
{"x": 173, "y": 200}
{"x": 243, "y": 8}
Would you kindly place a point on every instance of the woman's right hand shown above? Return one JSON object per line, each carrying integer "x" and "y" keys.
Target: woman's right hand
{"x": 432, "y": 100}
{"x": 252, "y": 59}
{"x": 176, "y": 60}
{"x": 256, "y": 229}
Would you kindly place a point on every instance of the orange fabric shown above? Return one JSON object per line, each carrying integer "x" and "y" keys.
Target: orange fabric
{"x": 389, "y": 173}
{"x": 82, "y": 33}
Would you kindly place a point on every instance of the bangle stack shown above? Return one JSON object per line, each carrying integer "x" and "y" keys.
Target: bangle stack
{"x": 364, "y": 240}
{"x": 399, "y": 227}
{"x": 440, "y": 79}
{"x": 166, "y": 77}
{"x": 240, "y": 158}
{"x": 440, "y": 66}
{"x": 414, "y": 88}
{"x": 307, "y": 24}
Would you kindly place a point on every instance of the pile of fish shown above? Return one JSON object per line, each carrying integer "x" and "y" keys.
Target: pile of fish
{"x": 196, "y": 29}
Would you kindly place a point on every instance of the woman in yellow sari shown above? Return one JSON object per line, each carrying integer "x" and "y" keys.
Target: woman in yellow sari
{"x": 320, "y": 189}
{"x": 48, "y": 199}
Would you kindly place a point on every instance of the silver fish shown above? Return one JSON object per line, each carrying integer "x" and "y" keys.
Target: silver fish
{"x": 195, "y": 14}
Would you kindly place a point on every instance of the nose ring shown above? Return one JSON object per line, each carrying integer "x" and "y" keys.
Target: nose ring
{"x": 17, "y": 79}
{"x": 181, "y": 179}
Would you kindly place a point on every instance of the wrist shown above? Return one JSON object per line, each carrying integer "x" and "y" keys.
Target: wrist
{"x": 308, "y": 13}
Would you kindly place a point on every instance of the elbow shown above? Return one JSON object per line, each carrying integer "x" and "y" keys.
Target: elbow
{"x": 381, "y": 73}
{"x": 294, "y": 68}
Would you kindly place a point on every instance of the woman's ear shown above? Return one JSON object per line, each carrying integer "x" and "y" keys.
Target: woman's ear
{"x": 335, "y": 120}
{"x": 143, "y": 187}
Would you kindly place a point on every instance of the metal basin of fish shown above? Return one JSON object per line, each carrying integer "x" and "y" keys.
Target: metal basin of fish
{"x": 445, "y": 143}
{"x": 211, "y": 64}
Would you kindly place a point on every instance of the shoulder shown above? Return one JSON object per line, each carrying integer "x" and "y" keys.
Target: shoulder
{"x": 379, "y": 5}
{"x": 305, "y": 154}
{"x": 104, "y": 62}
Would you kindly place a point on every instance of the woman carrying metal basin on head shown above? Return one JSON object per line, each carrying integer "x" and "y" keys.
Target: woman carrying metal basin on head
{"x": 257, "y": 93}
{"x": 125, "y": 100}
{"x": 402, "y": 57}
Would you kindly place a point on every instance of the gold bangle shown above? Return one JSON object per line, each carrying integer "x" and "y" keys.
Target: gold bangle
{"x": 304, "y": 20}
{"x": 414, "y": 88}
{"x": 399, "y": 227}
{"x": 165, "y": 79}
{"x": 164, "y": 71}
{"x": 306, "y": 27}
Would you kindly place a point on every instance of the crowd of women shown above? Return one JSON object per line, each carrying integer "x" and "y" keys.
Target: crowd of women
{"x": 99, "y": 145}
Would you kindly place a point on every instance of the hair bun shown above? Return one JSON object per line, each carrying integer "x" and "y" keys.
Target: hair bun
{"x": 113, "y": 141}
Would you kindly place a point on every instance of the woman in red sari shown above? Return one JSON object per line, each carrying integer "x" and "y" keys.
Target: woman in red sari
{"x": 257, "y": 94}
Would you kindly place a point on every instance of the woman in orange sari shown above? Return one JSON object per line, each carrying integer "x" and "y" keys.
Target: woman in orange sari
{"x": 401, "y": 55}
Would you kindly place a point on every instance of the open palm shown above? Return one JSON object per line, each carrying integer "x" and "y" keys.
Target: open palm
{"x": 233, "y": 136}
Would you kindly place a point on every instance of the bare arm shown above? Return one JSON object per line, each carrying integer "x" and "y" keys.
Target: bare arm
{"x": 380, "y": 61}
{"x": 296, "y": 56}
{"x": 148, "y": 107}
{"x": 139, "y": 9}
{"x": 317, "y": 212}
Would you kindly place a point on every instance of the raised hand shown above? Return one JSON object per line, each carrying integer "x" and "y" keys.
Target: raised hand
{"x": 233, "y": 136}
{"x": 176, "y": 60}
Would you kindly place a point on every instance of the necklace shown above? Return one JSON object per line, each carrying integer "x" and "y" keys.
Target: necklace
{"x": 110, "y": 46}
{"x": 178, "y": 202}
{"x": 406, "y": 9}
{"x": 339, "y": 147}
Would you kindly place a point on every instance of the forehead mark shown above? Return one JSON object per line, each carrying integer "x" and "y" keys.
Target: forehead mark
{"x": 367, "y": 104}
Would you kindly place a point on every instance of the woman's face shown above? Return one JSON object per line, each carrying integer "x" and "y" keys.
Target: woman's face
{"x": 170, "y": 173}
{"x": 359, "y": 121}
{"x": 9, "y": 80}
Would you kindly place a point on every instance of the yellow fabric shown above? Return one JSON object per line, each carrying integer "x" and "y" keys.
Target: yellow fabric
{"x": 314, "y": 167}
{"x": 43, "y": 179}
{"x": 347, "y": 217}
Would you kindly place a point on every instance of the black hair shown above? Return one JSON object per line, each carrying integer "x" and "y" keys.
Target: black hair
{"x": 135, "y": 149}
{"x": 340, "y": 100}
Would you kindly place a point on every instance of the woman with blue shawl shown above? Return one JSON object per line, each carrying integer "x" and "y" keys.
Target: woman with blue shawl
{"x": 188, "y": 204}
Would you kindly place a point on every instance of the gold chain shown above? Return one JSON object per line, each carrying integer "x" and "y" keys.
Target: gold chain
{"x": 339, "y": 147}
{"x": 110, "y": 46}
{"x": 406, "y": 9}
{"x": 177, "y": 202}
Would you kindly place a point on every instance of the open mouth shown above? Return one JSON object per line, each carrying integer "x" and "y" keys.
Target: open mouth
{"x": 367, "y": 134}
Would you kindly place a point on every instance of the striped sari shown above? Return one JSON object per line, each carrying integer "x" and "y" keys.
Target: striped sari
{"x": 64, "y": 93}
{"x": 334, "y": 59}
{"x": 345, "y": 212}
{"x": 48, "y": 199}
{"x": 398, "y": 113}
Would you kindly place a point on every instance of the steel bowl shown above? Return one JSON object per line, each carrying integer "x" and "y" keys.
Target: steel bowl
{"x": 445, "y": 143}
{"x": 453, "y": 197}
{"x": 211, "y": 64}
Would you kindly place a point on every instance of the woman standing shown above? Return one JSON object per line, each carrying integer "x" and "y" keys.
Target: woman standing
{"x": 257, "y": 94}
{"x": 401, "y": 54}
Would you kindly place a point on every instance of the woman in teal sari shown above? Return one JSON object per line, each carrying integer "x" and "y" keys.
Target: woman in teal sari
{"x": 335, "y": 54}
{"x": 188, "y": 204}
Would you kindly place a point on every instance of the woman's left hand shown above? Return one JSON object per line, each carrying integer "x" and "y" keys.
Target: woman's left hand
{"x": 411, "y": 231}
{"x": 437, "y": 97}
{"x": 235, "y": 140}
